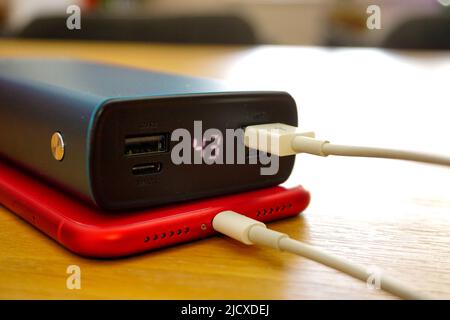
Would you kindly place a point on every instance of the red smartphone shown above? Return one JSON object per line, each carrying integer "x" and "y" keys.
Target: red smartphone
{"x": 91, "y": 232}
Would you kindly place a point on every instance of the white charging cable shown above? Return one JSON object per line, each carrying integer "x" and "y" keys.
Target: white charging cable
{"x": 250, "y": 231}
{"x": 284, "y": 140}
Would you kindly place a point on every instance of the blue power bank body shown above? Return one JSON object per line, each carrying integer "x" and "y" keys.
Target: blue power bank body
{"x": 115, "y": 119}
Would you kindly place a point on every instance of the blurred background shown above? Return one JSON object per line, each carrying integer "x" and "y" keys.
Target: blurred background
{"x": 412, "y": 24}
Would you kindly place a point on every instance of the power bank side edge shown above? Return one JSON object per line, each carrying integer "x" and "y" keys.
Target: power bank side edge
{"x": 91, "y": 232}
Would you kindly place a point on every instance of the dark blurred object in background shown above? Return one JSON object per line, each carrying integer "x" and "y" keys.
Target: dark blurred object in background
{"x": 182, "y": 29}
{"x": 3, "y": 15}
{"x": 412, "y": 24}
{"x": 409, "y": 24}
{"x": 421, "y": 33}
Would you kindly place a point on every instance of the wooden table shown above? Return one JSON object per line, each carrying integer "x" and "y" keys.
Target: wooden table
{"x": 390, "y": 214}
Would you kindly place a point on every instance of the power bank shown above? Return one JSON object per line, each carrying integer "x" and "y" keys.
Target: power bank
{"x": 92, "y": 232}
{"x": 105, "y": 133}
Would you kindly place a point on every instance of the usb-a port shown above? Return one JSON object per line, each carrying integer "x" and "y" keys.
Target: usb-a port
{"x": 146, "y": 144}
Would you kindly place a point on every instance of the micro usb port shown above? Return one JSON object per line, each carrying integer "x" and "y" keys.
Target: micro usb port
{"x": 146, "y": 144}
{"x": 146, "y": 168}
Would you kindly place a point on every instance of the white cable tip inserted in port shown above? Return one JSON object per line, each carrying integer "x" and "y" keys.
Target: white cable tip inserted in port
{"x": 274, "y": 138}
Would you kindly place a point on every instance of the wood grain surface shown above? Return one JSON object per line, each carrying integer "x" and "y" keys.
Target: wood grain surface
{"x": 391, "y": 214}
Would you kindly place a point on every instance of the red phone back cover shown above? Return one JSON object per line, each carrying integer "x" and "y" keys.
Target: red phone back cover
{"x": 91, "y": 232}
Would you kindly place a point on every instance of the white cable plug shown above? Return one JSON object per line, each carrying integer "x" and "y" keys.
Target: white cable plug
{"x": 250, "y": 231}
{"x": 285, "y": 140}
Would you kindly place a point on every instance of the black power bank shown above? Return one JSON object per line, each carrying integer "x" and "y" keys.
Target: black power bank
{"x": 105, "y": 133}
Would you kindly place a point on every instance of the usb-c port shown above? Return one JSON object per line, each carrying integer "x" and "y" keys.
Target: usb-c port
{"x": 146, "y": 168}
